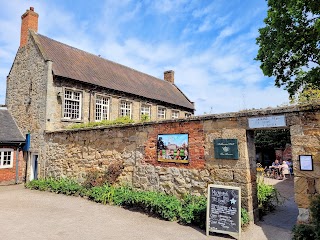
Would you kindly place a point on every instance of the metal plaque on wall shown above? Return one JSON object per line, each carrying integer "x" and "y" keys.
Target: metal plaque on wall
{"x": 226, "y": 149}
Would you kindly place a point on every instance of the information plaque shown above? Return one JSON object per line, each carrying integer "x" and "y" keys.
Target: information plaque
{"x": 306, "y": 162}
{"x": 224, "y": 210}
{"x": 267, "y": 122}
{"x": 226, "y": 149}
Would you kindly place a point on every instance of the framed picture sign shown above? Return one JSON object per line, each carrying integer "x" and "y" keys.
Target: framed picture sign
{"x": 173, "y": 148}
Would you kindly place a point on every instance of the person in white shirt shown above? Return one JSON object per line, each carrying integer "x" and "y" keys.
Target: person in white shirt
{"x": 284, "y": 169}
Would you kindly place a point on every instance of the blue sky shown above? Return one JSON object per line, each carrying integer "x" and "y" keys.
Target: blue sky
{"x": 209, "y": 44}
{"x": 178, "y": 139}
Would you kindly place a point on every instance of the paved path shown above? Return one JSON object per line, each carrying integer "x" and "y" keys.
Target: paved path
{"x": 27, "y": 214}
{"x": 277, "y": 225}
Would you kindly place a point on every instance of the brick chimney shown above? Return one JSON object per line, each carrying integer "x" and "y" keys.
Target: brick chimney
{"x": 169, "y": 76}
{"x": 29, "y": 21}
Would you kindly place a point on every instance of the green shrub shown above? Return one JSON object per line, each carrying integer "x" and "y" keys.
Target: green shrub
{"x": 304, "y": 232}
{"x": 268, "y": 197}
{"x": 194, "y": 210}
{"x": 188, "y": 210}
{"x": 145, "y": 118}
{"x": 118, "y": 121}
{"x": 245, "y": 219}
{"x": 102, "y": 194}
{"x": 311, "y": 230}
{"x": 166, "y": 206}
{"x": 39, "y": 184}
{"x": 62, "y": 185}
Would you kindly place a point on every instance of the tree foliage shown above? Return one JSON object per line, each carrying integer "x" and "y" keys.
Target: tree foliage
{"x": 272, "y": 138}
{"x": 306, "y": 96}
{"x": 289, "y": 44}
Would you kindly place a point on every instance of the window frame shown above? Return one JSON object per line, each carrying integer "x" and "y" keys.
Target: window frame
{"x": 120, "y": 108}
{"x": 74, "y": 100}
{"x": 102, "y": 105}
{"x": 145, "y": 105}
{"x": 165, "y": 112}
{"x": 172, "y": 114}
{"x": 2, "y": 150}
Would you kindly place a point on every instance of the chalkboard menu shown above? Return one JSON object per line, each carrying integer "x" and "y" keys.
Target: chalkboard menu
{"x": 224, "y": 210}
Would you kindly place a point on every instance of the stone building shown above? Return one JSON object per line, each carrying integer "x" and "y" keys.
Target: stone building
{"x": 12, "y": 164}
{"x": 52, "y": 85}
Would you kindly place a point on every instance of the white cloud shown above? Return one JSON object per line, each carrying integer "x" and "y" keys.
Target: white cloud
{"x": 165, "y": 6}
{"x": 206, "y": 26}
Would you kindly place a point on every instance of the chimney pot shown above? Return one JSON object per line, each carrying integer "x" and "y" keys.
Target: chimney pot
{"x": 29, "y": 21}
{"x": 169, "y": 76}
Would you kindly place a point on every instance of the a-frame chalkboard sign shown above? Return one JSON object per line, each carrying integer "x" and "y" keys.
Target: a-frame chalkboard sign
{"x": 224, "y": 210}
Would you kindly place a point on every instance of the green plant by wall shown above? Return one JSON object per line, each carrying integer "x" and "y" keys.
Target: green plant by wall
{"x": 245, "y": 219}
{"x": 118, "y": 121}
{"x": 268, "y": 197}
{"x": 188, "y": 210}
{"x": 145, "y": 118}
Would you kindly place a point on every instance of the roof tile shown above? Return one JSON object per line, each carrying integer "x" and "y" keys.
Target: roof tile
{"x": 76, "y": 64}
{"x": 9, "y": 132}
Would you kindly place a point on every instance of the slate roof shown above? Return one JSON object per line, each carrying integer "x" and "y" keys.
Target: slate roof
{"x": 9, "y": 132}
{"x": 72, "y": 63}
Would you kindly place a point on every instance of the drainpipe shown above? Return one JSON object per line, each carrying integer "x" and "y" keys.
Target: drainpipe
{"x": 17, "y": 164}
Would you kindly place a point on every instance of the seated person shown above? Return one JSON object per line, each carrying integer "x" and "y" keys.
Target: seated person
{"x": 276, "y": 163}
{"x": 275, "y": 168}
{"x": 284, "y": 169}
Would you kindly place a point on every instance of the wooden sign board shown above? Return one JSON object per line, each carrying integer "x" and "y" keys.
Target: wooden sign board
{"x": 224, "y": 210}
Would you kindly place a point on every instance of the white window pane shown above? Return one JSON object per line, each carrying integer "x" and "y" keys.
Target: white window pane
{"x": 102, "y": 108}
{"x": 6, "y": 160}
{"x": 125, "y": 109}
{"x": 161, "y": 113}
{"x": 72, "y": 105}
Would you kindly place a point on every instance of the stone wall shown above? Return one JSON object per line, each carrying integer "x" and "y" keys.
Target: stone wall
{"x": 26, "y": 93}
{"x": 72, "y": 153}
{"x": 305, "y": 139}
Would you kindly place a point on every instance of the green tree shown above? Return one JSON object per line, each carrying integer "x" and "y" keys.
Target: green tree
{"x": 272, "y": 138}
{"x": 306, "y": 96}
{"x": 289, "y": 44}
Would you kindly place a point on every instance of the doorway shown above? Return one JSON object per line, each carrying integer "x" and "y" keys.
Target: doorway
{"x": 273, "y": 148}
{"x": 34, "y": 166}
